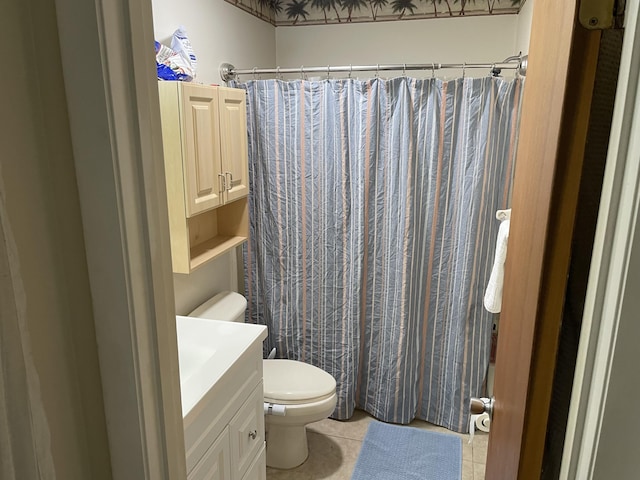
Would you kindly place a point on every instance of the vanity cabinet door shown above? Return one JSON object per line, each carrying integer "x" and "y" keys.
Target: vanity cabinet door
{"x": 215, "y": 463}
{"x": 247, "y": 432}
{"x": 258, "y": 470}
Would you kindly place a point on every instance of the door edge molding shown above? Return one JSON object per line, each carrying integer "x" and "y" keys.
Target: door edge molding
{"x": 610, "y": 259}
{"x": 112, "y": 99}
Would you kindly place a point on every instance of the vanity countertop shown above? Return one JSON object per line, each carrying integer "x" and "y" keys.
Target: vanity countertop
{"x": 207, "y": 349}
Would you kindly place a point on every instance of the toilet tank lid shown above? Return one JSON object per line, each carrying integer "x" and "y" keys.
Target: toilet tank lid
{"x": 225, "y": 306}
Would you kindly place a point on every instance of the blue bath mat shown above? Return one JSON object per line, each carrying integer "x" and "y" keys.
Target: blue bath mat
{"x": 392, "y": 452}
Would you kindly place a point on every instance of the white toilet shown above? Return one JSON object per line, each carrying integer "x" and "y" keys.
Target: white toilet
{"x": 295, "y": 393}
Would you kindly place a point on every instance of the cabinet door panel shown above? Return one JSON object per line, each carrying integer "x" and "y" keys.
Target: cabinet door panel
{"x": 215, "y": 464}
{"x": 258, "y": 471}
{"x": 201, "y": 142}
{"x": 246, "y": 430}
{"x": 233, "y": 138}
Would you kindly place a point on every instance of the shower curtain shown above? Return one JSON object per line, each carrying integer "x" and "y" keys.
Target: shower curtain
{"x": 372, "y": 234}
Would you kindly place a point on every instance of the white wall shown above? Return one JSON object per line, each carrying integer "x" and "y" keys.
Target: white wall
{"x": 444, "y": 40}
{"x": 193, "y": 289}
{"x": 523, "y": 30}
{"x": 219, "y": 33}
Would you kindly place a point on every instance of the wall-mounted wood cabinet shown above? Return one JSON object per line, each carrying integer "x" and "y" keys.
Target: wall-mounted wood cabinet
{"x": 204, "y": 135}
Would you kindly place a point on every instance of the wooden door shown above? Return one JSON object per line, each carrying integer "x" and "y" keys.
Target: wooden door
{"x": 201, "y": 147}
{"x": 555, "y": 115}
{"x": 233, "y": 138}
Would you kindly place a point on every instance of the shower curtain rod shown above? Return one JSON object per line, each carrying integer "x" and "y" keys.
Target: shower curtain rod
{"x": 517, "y": 62}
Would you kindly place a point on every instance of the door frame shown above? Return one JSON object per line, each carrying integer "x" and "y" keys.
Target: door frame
{"x": 123, "y": 200}
{"x": 112, "y": 96}
{"x": 610, "y": 286}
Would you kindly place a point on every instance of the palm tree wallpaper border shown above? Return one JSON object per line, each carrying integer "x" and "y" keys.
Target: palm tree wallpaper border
{"x": 319, "y": 12}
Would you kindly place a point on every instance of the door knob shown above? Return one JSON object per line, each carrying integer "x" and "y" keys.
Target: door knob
{"x": 478, "y": 406}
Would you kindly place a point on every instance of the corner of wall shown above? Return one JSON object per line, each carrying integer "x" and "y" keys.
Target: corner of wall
{"x": 523, "y": 30}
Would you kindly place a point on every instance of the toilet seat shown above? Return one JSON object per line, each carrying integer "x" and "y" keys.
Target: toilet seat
{"x": 289, "y": 382}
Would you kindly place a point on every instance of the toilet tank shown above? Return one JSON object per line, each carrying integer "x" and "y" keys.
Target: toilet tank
{"x": 226, "y": 306}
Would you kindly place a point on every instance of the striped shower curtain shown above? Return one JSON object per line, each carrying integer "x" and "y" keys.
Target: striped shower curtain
{"x": 372, "y": 234}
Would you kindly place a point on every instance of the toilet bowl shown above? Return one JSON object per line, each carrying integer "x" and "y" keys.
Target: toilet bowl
{"x": 300, "y": 393}
{"x": 308, "y": 394}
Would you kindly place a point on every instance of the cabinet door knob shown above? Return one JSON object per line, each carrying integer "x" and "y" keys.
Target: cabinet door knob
{"x": 253, "y": 434}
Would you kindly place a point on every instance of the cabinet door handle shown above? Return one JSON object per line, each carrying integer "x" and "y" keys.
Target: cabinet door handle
{"x": 253, "y": 434}
{"x": 224, "y": 181}
{"x": 230, "y": 182}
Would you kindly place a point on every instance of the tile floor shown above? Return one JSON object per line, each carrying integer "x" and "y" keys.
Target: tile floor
{"x": 334, "y": 447}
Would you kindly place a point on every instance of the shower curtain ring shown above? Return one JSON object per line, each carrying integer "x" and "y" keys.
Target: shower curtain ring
{"x": 464, "y": 69}
{"x": 328, "y": 71}
{"x": 433, "y": 70}
{"x": 302, "y": 74}
{"x": 255, "y": 77}
{"x": 377, "y": 70}
{"x": 350, "y": 69}
{"x": 404, "y": 70}
{"x": 278, "y": 76}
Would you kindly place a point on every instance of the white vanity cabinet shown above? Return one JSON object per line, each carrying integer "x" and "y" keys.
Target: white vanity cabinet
{"x": 223, "y": 418}
{"x": 238, "y": 452}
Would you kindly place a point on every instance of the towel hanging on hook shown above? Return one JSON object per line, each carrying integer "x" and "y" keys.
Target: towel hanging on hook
{"x": 493, "y": 294}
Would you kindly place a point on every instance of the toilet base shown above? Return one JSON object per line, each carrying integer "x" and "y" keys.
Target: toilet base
{"x": 286, "y": 445}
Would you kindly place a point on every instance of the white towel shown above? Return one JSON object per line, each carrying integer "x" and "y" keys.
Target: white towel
{"x": 493, "y": 295}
